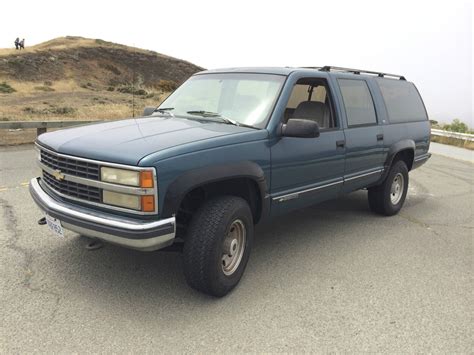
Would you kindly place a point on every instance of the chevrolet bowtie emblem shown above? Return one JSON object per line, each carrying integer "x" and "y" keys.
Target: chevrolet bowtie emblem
{"x": 58, "y": 175}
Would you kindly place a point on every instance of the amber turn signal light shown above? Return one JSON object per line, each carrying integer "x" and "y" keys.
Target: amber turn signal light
{"x": 146, "y": 178}
{"x": 148, "y": 203}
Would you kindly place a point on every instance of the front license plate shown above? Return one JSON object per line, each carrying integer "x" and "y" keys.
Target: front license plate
{"x": 55, "y": 226}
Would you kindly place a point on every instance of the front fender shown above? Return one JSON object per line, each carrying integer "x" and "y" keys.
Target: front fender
{"x": 192, "y": 179}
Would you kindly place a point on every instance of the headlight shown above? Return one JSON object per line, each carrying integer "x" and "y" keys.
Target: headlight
{"x": 145, "y": 203}
{"x": 120, "y": 176}
{"x": 142, "y": 178}
{"x": 122, "y": 200}
{"x": 137, "y": 178}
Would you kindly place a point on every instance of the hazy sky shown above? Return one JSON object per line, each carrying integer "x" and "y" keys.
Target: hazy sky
{"x": 430, "y": 42}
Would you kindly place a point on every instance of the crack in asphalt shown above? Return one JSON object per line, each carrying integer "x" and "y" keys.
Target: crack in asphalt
{"x": 418, "y": 222}
{"x": 11, "y": 220}
{"x": 427, "y": 226}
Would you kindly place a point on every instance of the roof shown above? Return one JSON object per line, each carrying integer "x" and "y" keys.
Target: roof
{"x": 259, "y": 70}
{"x": 288, "y": 70}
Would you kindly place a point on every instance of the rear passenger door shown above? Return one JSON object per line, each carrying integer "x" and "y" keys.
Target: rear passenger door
{"x": 364, "y": 136}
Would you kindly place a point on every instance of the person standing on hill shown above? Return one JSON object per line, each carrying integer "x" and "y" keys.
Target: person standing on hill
{"x": 17, "y": 43}
{"x": 22, "y": 44}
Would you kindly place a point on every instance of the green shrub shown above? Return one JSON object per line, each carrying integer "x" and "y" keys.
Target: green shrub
{"x": 167, "y": 85}
{"x": 111, "y": 68}
{"x": 101, "y": 42}
{"x": 32, "y": 110}
{"x": 131, "y": 90}
{"x": 44, "y": 88}
{"x": 89, "y": 86}
{"x": 456, "y": 126}
{"x": 66, "y": 110}
{"x": 125, "y": 89}
{"x": 62, "y": 111}
{"x": 140, "y": 92}
{"x": 110, "y": 88}
{"x": 6, "y": 88}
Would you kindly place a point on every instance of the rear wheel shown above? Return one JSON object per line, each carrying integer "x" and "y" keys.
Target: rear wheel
{"x": 388, "y": 198}
{"x": 217, "y": 245}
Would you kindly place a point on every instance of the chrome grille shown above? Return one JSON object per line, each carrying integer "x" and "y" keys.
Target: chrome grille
{"x": 69, "y": 188}
{"x": 70, "y": 166}
{"x": 79, "y": 179}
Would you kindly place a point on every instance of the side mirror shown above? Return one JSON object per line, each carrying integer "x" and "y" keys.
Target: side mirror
{"x": 148, "y": 111}
{"x": 300, "y": 128}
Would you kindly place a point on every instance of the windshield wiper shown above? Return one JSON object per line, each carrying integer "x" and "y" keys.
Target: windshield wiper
{"x": 219, "y": 116}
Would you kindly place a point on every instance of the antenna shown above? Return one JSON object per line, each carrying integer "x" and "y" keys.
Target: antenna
{"x": 133, "y": 81}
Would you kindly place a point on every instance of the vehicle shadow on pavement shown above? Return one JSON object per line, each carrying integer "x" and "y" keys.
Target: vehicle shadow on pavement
{"x": 115, "y": 275}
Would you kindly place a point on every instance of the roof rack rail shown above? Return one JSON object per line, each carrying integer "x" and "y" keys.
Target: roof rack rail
{"x": 329, "y": 68}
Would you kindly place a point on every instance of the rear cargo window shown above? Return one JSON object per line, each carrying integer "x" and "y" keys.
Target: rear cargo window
{"x": 358, "y": 102}
{"x": 402, "y": 100}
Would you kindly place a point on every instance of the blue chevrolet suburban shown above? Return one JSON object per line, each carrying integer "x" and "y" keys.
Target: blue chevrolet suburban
{"x": 228, "y": 149}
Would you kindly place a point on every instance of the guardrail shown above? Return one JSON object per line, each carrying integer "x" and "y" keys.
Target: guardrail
{"x": 41, "y": 126}
{"x": 456, "y": 135}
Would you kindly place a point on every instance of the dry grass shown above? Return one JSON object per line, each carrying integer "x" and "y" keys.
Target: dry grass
{"x": 66, "y": 100}
{"x": 25, "y": 88}
{"x": 70, "y": 42}
{"x": 82, "y": 78}
{"x": 75, "y": 78}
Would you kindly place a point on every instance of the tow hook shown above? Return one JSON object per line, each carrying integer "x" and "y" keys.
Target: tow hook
{"x": 94, "y": 244}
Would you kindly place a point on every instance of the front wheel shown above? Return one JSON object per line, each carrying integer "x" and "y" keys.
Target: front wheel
{"x": 388, "y": 198}
{"x": 217, "y": 245}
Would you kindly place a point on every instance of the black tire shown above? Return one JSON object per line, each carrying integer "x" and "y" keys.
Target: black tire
{"x": 380, "y": 200}
{"x": 203, "y": 246}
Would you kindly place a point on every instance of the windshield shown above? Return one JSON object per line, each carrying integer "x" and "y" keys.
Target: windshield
{"x": 244, "y": 97}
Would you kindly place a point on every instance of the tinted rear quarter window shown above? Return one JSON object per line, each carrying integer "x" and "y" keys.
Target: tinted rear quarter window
{"x": 357, "y": 102}
{"x": 402, "y": 100}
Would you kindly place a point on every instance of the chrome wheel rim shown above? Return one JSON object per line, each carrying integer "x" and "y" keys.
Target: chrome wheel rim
{"x": 396, "y": 190}
{"x": 233, "y": 247}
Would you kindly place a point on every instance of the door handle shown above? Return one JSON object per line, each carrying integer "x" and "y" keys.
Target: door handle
{"x": 340, "y": 144}
{"x": 380, "y": 137}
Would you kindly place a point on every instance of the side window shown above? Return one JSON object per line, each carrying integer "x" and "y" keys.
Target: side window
{"x": 357, "y": 102}
{"x": 402, "y": 100}
{"x": 310, "y": 100}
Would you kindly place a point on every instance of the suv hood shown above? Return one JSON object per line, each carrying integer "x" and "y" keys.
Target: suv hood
{"x": 128, "y": 141}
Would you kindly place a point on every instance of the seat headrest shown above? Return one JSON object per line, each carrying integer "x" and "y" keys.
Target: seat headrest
{"x": 310, "y": 110}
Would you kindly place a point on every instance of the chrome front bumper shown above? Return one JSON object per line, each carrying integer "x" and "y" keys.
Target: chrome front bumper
{"x": 131, "y": 233}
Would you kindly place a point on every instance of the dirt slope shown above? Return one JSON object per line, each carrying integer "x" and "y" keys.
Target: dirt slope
{"x": 80, "y": 78}
{"x": 92, "y": 61}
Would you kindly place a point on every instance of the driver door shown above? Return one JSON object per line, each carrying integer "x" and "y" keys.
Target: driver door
{"x": 306, "y": 171}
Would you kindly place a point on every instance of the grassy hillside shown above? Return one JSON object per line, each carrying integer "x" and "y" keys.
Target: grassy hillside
{"x": 75, "y": 77}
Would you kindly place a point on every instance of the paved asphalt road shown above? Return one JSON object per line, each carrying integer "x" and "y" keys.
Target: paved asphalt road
{"x": 333, "y": 277}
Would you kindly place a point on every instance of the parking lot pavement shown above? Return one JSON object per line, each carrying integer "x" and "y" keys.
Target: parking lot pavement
{"x": 333, "y": 277}
{"x": 453, "y": 152}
